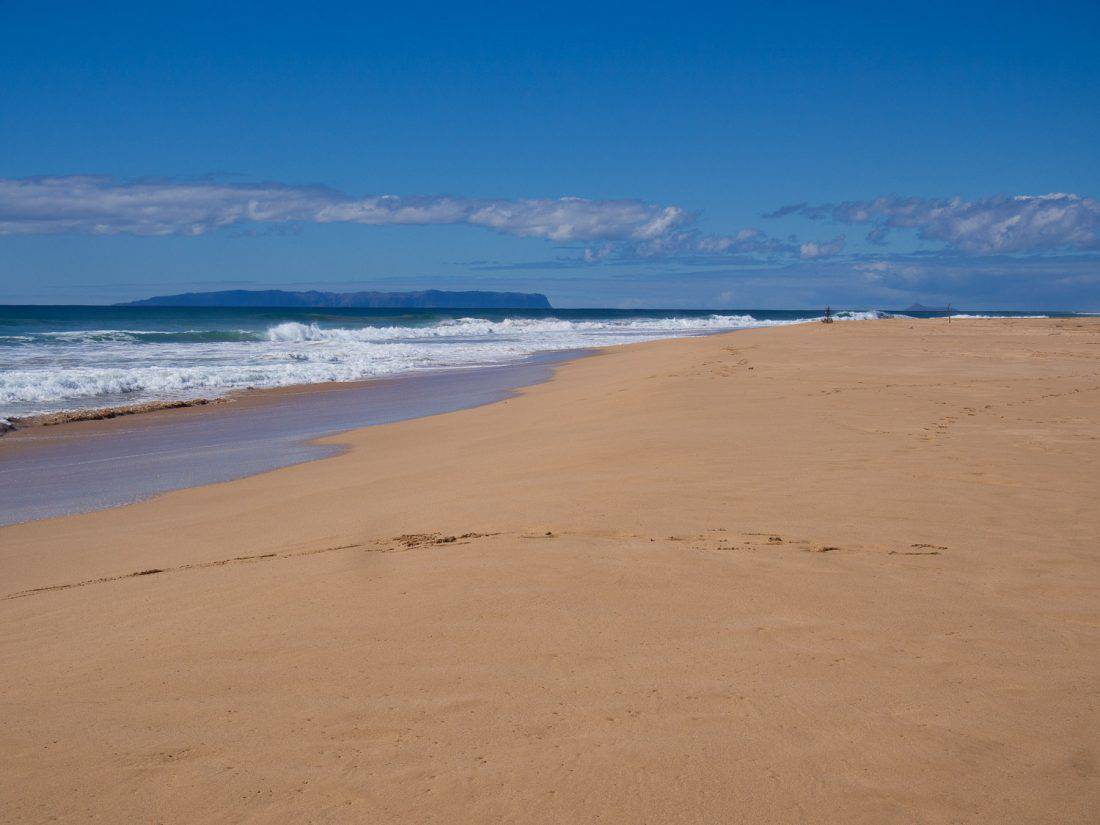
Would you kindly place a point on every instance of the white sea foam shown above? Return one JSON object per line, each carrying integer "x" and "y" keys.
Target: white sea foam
{"x": 293, "y": 332}
{"x": 74, "y": 369}
{"x": 965, "y": 316}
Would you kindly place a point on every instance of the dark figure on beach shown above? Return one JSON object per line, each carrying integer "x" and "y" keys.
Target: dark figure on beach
{"x": 828, "y": 319}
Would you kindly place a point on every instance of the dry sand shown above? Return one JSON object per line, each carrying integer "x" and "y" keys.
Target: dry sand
{"x": 836, "y": 574}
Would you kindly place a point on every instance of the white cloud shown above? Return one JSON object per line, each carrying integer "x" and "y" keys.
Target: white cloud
{"x": 1002, "y": 224}
{"x": 812, "y": 250}
{"x": 690, "y": 243}
{"x": 83, "y": 204}
{"x": 102, "y": 206}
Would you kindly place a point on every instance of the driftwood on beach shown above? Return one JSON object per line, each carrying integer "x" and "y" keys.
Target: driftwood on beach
{"x": 68, "y": 416}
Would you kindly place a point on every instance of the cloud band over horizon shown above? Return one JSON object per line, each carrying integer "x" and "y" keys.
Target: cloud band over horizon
{"x": 1001, "y": 224}
{"x": 622, "y": 230}
{"x": 96, "y": 205}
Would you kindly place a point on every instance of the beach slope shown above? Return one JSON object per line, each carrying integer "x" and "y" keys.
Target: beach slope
{"x": 843, "y": 573}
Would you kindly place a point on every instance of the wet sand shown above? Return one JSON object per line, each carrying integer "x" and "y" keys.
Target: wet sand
{"x": 841, "y": 573}
{"x": 81, "y": 465}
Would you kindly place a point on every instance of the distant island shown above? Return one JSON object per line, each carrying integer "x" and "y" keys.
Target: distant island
{"x": 923, "y": 308}
{"x": 427, "y": 299}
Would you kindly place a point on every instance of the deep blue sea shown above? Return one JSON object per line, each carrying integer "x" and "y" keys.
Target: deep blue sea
{"x": 76, "y": 357}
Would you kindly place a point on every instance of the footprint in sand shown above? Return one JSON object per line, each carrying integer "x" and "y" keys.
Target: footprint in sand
{"x": 920, "y": 550}
{"x": 411, "y": 541}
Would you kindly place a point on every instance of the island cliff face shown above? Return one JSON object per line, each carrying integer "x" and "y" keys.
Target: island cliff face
{"x": 428, "y": 299}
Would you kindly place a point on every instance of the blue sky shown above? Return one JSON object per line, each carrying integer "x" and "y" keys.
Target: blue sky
{"x": 619, "y": 155}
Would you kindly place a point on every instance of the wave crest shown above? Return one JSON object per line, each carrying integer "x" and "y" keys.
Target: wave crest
{"x": 75, "y": 369}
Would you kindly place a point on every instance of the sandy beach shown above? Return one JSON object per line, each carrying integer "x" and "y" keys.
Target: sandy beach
{"x": 844, "y": 573}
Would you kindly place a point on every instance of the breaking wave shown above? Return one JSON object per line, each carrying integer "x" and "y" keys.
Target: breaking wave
{"x": 52, "y": 370}
{"x": 478, "y": 327}
{"x": 963, "y": 315}
{"x": 128, "y": 336}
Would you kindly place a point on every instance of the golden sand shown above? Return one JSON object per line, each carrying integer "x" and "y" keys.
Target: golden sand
{"x": 838, "y": 574}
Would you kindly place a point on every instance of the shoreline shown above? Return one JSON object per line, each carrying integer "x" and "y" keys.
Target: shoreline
{"x": 97, "y": 463}
{"x": 301, "y": 325}
{"x": 164, "y": 410}
{"x": 54, "y": 419}
{"x": 846, "y": 569}
{"x": 119, "y": 408}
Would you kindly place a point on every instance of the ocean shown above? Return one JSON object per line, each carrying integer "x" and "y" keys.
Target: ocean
{"x": 56, "y": 358}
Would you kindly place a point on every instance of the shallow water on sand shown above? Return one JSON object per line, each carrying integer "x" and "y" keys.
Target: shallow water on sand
{"x": 75, "y": 468}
